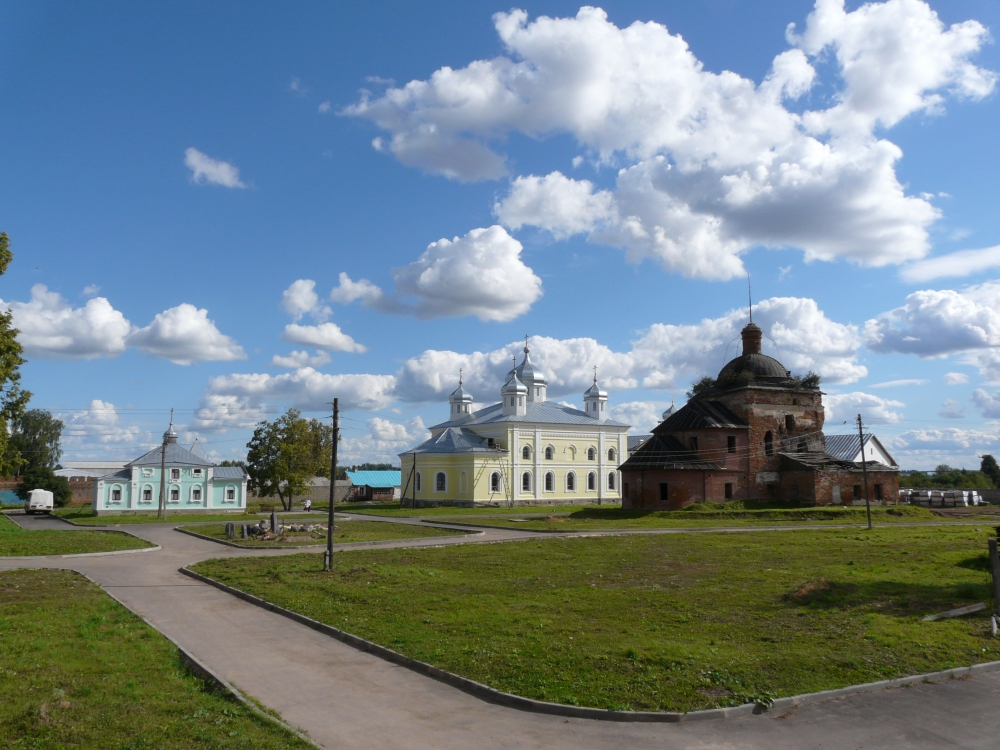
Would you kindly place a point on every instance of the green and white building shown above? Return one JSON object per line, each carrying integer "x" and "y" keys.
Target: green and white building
{"x": 193, "y": 483}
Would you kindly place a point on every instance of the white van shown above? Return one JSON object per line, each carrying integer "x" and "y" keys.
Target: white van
{"x": 39, "y": 501}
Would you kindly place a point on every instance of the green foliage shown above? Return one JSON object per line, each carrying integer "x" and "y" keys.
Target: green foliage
{"x": 946, "y": 477}
{"x": 374, "y": 467}
{"x": 282, "y": 455}
{"x": 234, "y": 463}
{"x": 809, "y": 380}
{"x": 705, "y": 384}
{"x": 35, "y": 435}
{"x": 988, "y": 466}
{"x": 13, "y": 400}
{"x": 42, "y": 478}
{"x": 655, "y": 621}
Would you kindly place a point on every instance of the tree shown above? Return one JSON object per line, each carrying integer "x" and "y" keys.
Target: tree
{"x": 35, "y": 435}
{"x": 989, "y": 467}
{"x": 281, "y": 457}
{"x": 705, "y": 384}
{"x": 42, "y": 478}
{"x": 12, "y": 398}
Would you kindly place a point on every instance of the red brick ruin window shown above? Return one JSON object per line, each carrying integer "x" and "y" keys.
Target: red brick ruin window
{"x": 694, "y": 443}
{"x": 789, "y": 422}
{"x": 729, "y": 490}
{"x": 731, "y": 447}
{"x": 857, "y": 492}
{"x": 768, "y": 444}
{"x": 664, "y": 491}
{"x": 878, "y": 491}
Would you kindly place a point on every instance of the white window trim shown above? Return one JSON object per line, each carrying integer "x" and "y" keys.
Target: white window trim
{"x": 445, "y": 475}
{"x": 194, "y": 488}
{"x": 173, "y": 477}
{"x": 225, "y": 494}
{"x": 612, "y": 481}
{"x": 143, "y": 490}
{"x": 499, "y": 477}
{"x": 111, "y": 495}
{"x": 545, "y": 483}
{"x": 170, "y": 493}
{"x": 523, "y": 449}
{"x": 545, "y": 452}
{"x": 592, "y": 475}
{"x": 147, "y": 472}
{"x": 591, "y": 457}
{"x": 196, "y": 472}
{"x": 530, "y": 483}
{"x": 612, "y": 454}
{"x": 576, "y": 484}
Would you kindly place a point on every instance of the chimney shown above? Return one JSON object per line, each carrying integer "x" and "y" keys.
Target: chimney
{"x": 752, "y": 336}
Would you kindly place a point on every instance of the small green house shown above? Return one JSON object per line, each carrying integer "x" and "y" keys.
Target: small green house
{"x": 193, "y": 483}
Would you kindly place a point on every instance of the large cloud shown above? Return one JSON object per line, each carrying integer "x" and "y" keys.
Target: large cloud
{"x": 305, "y": 388}
{"x": 50, "y": 327}
{"x": 382, "y": 441}
{"x": 480, "y": 274}
{"x": 665, "y": 356}
{"x": 936, "y": 323}
{"x": 96, "y": 430}
{"x": 184, "y": 334}
{"x": 844, "y": 407}
{"x": 715, "y": 162}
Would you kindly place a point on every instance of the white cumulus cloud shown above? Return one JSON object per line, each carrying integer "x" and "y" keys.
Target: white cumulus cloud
{"x": 300, "y": 298}
{"x": 714, "y": 163}
{"x": 323, "y": 336}
{"x": 305, "y": 389}
{"x": 383, "y": 441}
{"x": 299, "y": 359}
{"x": 480, "y": 274}
{"x": 184, "y": 334}
{"x": 89, "y": 433}
{"x": 842, "y": 407}
{"x": 51, "y": 328}
{"x": 208, "y": 171}
{"x": 955, "y": 378}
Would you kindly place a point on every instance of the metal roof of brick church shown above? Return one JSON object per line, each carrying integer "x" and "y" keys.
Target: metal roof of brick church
{"x": 701, "y": 415}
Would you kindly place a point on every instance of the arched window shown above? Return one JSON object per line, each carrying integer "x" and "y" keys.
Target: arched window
{"x": 591, "y": 454}
{"x": 550, "y": 481}
{"x": 116, "y": 494}
{"x": 175, "y": 494}
{"x": 549, "y": 453}
{"x": 526, "y": 482}
{"x": 591, "y": 481}
{"x": 495, "y": 481}
{"x": 526, "y": 453}
{"x": 196, "y": 494}
{"x": 611, "y": 481}
{"x": 416, "y": 482}
{"x": 611, "y": 454}
{"x": 571, "y": 482}
{"x": 147, "y": 493}
{"x": 440, "y": 482}
{"x": 768, "y": 444}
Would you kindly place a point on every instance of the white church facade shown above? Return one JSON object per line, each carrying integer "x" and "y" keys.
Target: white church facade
{"x": 523, "y": 450}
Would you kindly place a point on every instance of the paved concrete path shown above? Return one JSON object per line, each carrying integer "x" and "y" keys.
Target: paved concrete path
{"x": 347, "y": 699}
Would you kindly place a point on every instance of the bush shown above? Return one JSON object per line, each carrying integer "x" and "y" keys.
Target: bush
{"x": 42, "y": 478}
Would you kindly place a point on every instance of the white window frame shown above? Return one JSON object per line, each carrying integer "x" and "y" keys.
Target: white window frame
{"x": 612, "y": 481}
{"x": 147, "y": 472}
{"x": 195, "y": 488}
{"x": 438, "y": 475}
{"x": 526, "y": 453}
{"x": 571, "y": 479}
{"x": 550, "y": 481}
{"x": 550, "y": 453}
{"x": 196, "y": 472}
{"x": 496, "y": 486}
{"x": 225, "y": 494}
{"x": 142, "y": 493}
{"x": 612, "y": 454}
{"x": 526, "y": 475}
{"x": 111, "y": 496}
{"x": 592, "y": 481}
{"x": 170, "y": 493}
{"x": 175, "y": 474}
{"x": 591, "y": 453}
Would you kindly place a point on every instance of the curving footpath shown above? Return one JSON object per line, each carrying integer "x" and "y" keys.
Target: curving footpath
{"x": 344, "y": 698}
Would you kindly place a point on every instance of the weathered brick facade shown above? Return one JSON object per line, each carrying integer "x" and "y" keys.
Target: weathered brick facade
{"x": 756, "y": 435}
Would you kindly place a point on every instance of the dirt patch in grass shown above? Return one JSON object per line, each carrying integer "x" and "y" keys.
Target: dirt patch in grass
{"x": 79, "y": 670}
{"x": 652, "y": 622}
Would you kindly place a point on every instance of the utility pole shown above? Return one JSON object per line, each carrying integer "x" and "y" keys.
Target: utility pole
{"x": 161, "y": 511}
{"x": 864, "y": 471}
{"x": 328, "y": 557}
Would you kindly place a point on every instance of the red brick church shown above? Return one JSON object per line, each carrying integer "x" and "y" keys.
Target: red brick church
{"x": 756, "y": 433}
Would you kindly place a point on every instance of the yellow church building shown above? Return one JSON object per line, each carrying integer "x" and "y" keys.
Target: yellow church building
{"x": 523, "y": 450}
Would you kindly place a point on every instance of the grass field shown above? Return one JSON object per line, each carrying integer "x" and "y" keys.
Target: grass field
{"x": 79, "y": 670}
{"x": 616, "y": 518}
{"x": 347, "y": 532}
{"x": 86, "y": 517}
{"x": 17, "y": 542}
{"x": 437, "y": 512}
{"x": 668, "y": 622}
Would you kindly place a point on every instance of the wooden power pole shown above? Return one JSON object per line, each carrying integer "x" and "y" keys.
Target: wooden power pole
{"x": 328, "y": 557}
{"x": 864, "y": 472}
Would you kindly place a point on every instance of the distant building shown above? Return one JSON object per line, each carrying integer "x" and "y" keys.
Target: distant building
{"x": 848, "y": 448}
{"x": 522, "y": 450}
{"x": 193, "y": 483}
{"x": 757, "y": 433}
{"x": 375, "y": 485}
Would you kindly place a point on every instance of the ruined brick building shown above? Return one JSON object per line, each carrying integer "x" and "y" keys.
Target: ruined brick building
{"x": 756, "y": 434}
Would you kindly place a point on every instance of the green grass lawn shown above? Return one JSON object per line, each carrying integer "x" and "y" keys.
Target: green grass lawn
{"x": 86, "y": 517}
{"x": 347, "y": 532}
{"x": 616, "y": 518}
{"x": 79, "y": 670}
{"x": 393, "y": 509}
{"x": 15, "y": 541}
{"x": 656, "y": 622}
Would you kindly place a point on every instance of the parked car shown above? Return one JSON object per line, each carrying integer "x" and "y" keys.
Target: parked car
{"x": 39, "y": 501}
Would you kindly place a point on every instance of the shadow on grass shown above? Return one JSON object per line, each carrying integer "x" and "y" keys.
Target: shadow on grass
{"x": 889, "y": 597}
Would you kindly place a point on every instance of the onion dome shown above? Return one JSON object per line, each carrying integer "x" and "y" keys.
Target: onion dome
{"x": 753, "y": 361}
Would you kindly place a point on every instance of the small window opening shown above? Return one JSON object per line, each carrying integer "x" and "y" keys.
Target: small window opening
{"x": 731, "y": 444}
{"x": 526, "y": 482}
{"x": 878, "y": 491}
{"x": 789, "y": 422}
{"x": 611, "y": 481}
{"x": 591, "y": 481}
{"x": 440, "y": 481}
{"x": 495, "y": 481}
{"x": 549, "y": 453}
{"x": 571, "y": 483}
{"x": 175, "y": 495}
{"x": 857, "y": 492}
{"x": 591, "y": 454}
{"x": 664, "y": 491}
{"x": 230, "y": 493}
{"x": 526, "y": 453}
{"x": 803, "y": 448}
{"x": 768, "y": 444}
{"x": 550, "y": 482}
{"x": 611, "y": 454}
{"x": 729, "y": 490}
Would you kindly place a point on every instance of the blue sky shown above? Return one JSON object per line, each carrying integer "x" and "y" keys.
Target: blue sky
{"x": 188, "y": 182}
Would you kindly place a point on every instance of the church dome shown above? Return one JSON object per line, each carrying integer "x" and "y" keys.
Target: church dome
{"x": 753, "y": 361}
{"x": 526, "y": 372}
{"x": 513, "y": 385}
